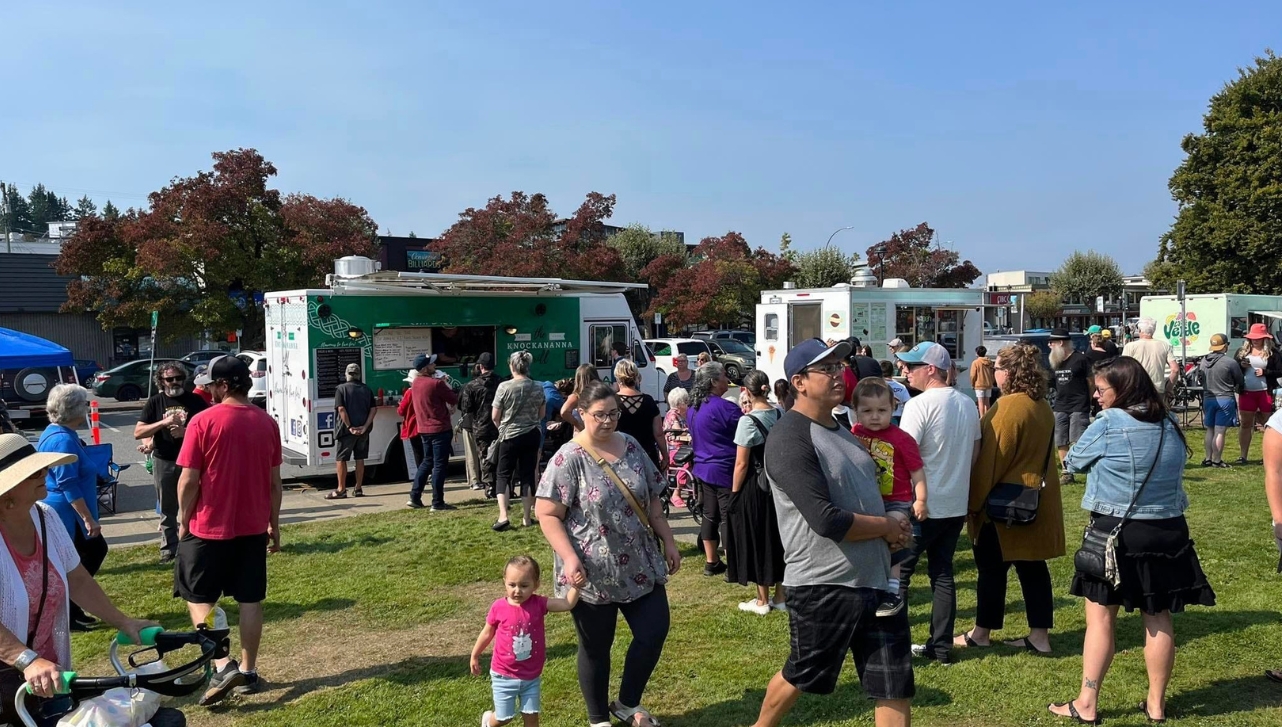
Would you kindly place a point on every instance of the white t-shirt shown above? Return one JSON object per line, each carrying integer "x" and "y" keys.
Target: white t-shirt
{"x": 901, "y": 395}
{"x": 1155, "y": 356}
{"x": 945, "y": 424}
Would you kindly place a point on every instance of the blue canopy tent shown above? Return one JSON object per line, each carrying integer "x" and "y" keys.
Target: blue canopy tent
{"x": 22, "y": 350}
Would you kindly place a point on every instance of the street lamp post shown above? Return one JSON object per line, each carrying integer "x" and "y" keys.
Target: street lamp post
{"x": 834, "y": 234}
{"x": 881, "y": 262}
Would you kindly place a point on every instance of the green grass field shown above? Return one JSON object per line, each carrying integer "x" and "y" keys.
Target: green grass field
{"x": 370, "y": 621}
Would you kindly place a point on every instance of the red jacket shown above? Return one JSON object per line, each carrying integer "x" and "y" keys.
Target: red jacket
{"x": 432, "y": 397}
{"x": 409, "y": 422}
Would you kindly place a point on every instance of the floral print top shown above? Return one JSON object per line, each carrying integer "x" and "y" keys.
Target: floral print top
{"x": 622, "y": 561}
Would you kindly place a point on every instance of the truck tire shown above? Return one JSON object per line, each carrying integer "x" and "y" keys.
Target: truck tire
{"x": 733, "y": 373}
{"x": 33, "y": 384}
{"x": 393, "y": 468}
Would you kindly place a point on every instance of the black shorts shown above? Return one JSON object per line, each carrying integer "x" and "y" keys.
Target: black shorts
{"x": 207, "y": 570}
{"x": 824, "y": 622}
{"x": 352, "y": 447}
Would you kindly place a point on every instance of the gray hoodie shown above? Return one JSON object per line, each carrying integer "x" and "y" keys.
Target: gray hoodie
{"x": 1222, "y": 374}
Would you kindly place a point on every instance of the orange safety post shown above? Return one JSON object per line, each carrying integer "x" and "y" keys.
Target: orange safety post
{"x": 93, "y": 422}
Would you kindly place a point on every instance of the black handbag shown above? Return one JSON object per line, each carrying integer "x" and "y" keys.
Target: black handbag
{"x": 1014, "y": 503}
{"x": 1098, "y": 555}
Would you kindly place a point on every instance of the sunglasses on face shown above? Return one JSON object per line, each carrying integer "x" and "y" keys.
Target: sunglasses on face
{"x": 173, "y": 379}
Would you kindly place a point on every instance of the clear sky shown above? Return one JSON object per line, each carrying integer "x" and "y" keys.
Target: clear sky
{"x": 1020, "y": 130}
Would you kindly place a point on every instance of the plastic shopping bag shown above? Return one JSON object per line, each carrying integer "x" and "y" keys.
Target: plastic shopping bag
{"x": 115, "y": 708}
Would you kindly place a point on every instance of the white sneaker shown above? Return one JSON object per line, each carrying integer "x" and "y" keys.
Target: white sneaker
{"x": 485, "y": 718}
{"x": 754, "y": 607}
{"x": 919, "y": 649}
{"x": 779, "y": 606}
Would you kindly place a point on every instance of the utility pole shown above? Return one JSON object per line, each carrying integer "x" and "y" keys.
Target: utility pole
{"x": 4, "y": 212}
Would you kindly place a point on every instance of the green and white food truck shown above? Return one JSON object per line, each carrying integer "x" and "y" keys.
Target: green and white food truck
{"x": 1210, "y": 313}
{"x": 382, "y": 320}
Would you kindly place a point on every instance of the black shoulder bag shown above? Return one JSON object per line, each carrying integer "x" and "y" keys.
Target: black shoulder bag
{"x": 759, "y": 456}
{"x": 1098, "y": 555}
{"x": 1014, "y": 503}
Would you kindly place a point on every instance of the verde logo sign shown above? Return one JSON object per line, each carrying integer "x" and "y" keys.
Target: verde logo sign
{"x": 1175, "y": 327}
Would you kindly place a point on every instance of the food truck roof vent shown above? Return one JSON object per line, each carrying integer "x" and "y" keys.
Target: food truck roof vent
{"x": 895, "y": 283}
{"x": 863, "y": 278}
{"x": 789, "y": 285}
{"x": 354, "y": 266}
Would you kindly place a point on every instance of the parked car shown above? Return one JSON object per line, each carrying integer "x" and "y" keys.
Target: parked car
{"x": 257, "y": 362}
{"x": 735, "y": 356}
{"x": 746, "y": 337}
{"x": 203, "y": 357}
{"x": 666, "y": 349}
{"x": 131, "y": 381}
{"x": 85, "y": 369}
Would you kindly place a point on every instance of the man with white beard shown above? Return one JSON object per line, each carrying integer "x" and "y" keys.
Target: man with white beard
{"x": 164, "y": 420}
{"x": 1074, "y": 386}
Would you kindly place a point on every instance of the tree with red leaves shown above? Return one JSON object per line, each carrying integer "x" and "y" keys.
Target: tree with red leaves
{"x": 522, "y": 237}
{"x": 908, "y": 254}
{"x": 206, "y": 246}
{"x": 721, "y": 286}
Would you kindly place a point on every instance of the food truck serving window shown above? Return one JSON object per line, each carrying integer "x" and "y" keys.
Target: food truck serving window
{"x": 606, "y": 341}
{"x": 396, "y": 347}
{"x": 772, "y": 327}
{"x": 944, "y": 326}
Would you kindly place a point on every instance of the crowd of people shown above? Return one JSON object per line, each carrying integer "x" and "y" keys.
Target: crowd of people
{"x": 822, "y": 490}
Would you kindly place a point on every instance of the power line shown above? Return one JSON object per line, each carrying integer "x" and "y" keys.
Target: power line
{"x": 51, "y": 187}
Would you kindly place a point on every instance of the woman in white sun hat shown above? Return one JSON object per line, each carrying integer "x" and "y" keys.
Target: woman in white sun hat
{"x": 39, "y": 566}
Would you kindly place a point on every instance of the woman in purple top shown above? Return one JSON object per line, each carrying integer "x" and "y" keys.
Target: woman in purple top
{"x": 713, "y": 422}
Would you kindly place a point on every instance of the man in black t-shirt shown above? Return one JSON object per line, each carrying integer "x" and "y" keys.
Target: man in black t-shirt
{"x": 354, "y": 410}
{"x": 1074, "y": 384}
{"x": 164, "y": 421}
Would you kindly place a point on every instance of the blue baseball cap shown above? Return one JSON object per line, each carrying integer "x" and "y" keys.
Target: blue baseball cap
{"x": 929, "y": 353}
{"x": 422, "y": 360}
{"x": 811, "y": 352}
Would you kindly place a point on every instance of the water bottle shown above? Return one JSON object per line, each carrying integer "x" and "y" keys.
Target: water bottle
{"x": 217, "y": 619}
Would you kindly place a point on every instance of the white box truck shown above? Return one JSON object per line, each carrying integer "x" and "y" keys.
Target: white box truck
{"x": 1229, "y": 313}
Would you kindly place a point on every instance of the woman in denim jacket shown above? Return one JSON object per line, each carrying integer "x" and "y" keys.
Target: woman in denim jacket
{"x": 1159, "y": 569}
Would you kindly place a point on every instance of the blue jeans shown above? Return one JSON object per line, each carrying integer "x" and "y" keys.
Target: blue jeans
{"x": 436, "y": 457}
{"x": 508, "y": 691}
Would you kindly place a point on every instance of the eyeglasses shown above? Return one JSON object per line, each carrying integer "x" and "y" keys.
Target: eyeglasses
{"x": 609, "y": 416}
{"x": 173, "y": 379}
{"x": 828, "y": 369}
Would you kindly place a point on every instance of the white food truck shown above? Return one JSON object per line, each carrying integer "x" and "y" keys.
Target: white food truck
{"x": 382, "y": 320}
{"x": 952, "y": 317}
{"x": 1228, "y": 313}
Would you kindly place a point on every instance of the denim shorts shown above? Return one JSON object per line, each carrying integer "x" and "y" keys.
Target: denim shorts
{"x": 1219, "y": 411}
{"x": 508, "y": 690}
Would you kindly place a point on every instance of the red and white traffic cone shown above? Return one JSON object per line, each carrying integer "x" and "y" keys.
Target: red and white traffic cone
{"x": 94, "y": 423}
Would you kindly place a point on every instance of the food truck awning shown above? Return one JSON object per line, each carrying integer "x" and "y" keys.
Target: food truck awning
{"x": 1268, "y": 313}
{"x": 438, "y": 283}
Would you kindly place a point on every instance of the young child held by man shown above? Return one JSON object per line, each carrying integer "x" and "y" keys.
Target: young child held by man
{"x": 900, "y": 471}
{"x": 515, "y": 625}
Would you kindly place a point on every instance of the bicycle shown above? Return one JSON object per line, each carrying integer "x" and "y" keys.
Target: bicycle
{"x": 178, "y": 682}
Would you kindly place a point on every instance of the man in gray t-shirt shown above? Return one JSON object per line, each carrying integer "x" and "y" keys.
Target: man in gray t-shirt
{"x": 354, "y": 409}
{"x": 837, "y": 539}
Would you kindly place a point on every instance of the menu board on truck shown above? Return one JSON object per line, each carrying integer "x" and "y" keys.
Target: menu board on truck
{"x": 331, "y": 367}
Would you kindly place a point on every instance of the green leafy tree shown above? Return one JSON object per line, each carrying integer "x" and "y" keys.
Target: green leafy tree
{"x": 1043, "y": 304}
{"x": 44, "y": 207}
{"x": 84, "y": 208}
{"x": 824, "y": 268}
{"x": 638, "y": 247}
{"x": 1227, "y": 236}
{"x": 17, "y": 213}
{"x": 110, "y": 211}
{"x": 1085, "y": 275}
{"x": 785, "y": 248}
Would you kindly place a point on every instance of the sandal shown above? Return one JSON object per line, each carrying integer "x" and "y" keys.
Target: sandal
{"x": 1025, "y": 644}
{"x": 337, "y": 495}
{"x": 971, "y": 643}
{"x": 358, "y": 492}
{"x": 1273, "y": 675}
{"x": 628, "y": 715}
{"x": 1144, "y": 710}
{"x": 1072, "y": 713}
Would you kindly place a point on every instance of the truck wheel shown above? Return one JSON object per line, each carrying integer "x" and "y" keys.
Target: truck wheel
{"x": 393, "y": 467}
{"x": 128, "y": 392}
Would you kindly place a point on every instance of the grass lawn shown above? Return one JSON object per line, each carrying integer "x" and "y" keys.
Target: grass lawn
{"x": 371, "y": 619}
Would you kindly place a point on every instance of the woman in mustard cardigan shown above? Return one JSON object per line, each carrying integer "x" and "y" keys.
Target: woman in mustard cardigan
{"x": 1017, "y": 433}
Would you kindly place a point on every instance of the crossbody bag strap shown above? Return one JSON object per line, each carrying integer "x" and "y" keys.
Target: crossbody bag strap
{"x": 44, "y": 580}
{"x": 618, "y": 482}
{"x": 1050, "y": 451}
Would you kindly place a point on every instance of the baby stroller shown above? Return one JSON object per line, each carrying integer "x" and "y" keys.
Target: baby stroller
{"x": 150, "y": 676}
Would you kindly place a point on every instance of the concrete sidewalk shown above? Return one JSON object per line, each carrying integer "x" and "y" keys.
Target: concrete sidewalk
{"x": 303, "y": 504}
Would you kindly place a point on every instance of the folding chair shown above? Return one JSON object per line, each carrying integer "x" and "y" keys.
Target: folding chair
{"x": 108, "y": 474}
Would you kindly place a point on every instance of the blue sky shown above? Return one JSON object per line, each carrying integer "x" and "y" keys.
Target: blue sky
{"x": 1021, "y": 131}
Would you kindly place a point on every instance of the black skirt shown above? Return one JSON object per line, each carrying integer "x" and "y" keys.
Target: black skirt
{"x": 754, "y": 550}
{"x": 1158, "y": 565}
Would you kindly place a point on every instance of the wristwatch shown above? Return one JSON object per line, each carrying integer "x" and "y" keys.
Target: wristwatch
{"x": 25, "y": 659}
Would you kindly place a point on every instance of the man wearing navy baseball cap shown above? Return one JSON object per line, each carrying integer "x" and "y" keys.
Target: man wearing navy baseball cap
{"x": 837, "y": 540}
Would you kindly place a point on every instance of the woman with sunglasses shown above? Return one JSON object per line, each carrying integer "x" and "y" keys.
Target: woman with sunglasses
{"x": 610, "y": 550}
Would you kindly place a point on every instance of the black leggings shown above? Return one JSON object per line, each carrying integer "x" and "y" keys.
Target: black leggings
{"x": 648, "y": 619}
{"x": 716, "y": 508}
{"x": 92, "y": 552}
{"x": 990, "y": 586}
{"x": 518, "y": 464}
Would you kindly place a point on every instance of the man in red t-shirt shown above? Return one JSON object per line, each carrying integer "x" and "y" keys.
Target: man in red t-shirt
{"x": 432, "y": 399}
{"x": 229, "y": 516}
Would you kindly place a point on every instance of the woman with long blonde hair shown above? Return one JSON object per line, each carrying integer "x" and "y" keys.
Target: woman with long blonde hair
{"x": 583, "y": 375}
